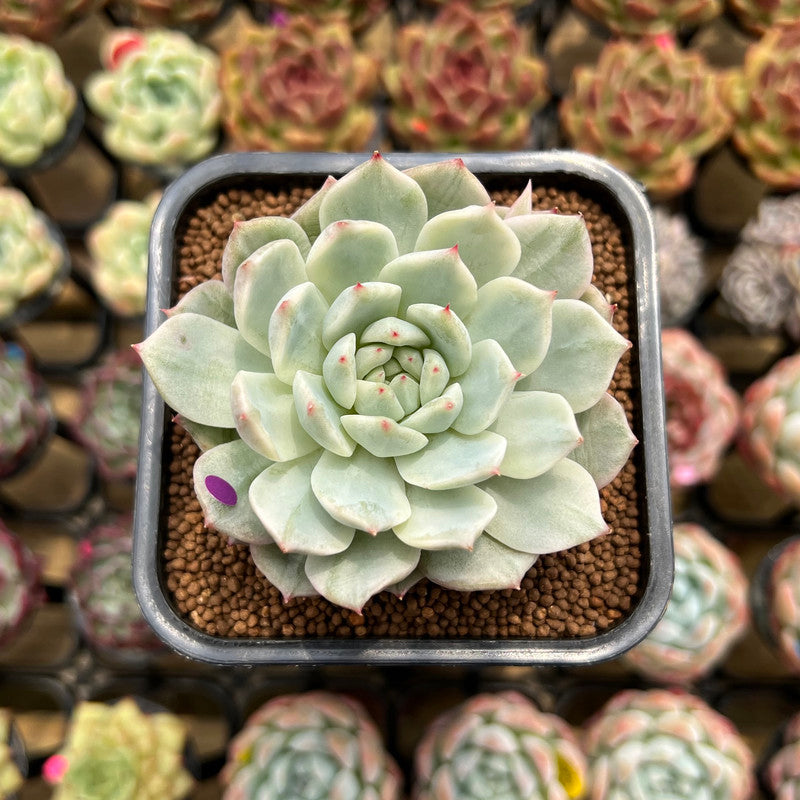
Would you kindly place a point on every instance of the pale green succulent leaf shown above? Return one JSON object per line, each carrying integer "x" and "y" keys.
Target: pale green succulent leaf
{"x": 382, "y": 436}
{"x": 488, "y": 566}
{"x": 516, "y": 315}
{"x": 377, "y": 375}
{"x": 452, "y": 460}
{"x": 406, "y": 390}
{"x": 410, "y": 361}
{"x": 205, "y": 436}
{"x": 319, "y": 414}
{"x": 400, "y": 588}
{"x": 285, "y": 571}
{"x": 377, "y": 191}
{"x": 347, "y": 253}
{"x": 445, "y": 519}
{"x": 485, "y": 244}
{"x": 209, "y": 299}
{"x": 363, "y": 491}
{"x": 433, "y": 276}
{"x": 307, "y": 216}
{"x": 552, "y": 512}
{"x": 448, "y": 185}
{"x": 375, "y": 399}
{"x": 582, "y": 356}
{"x": 282, "y": 499}
{"x": 447, "y": 333}
{"x": 556, "y": 252}
{"x": 540, "y": 429}
{"x": 487, "y": 384}
{"x": 434, "y": 376}
{"x": 394, "y": 332}
{"x": 370, "y": 565}
{"x": 193, "y": 360}
{"x": 369, "y": 357}
{"x": 607, "y": 440}
{"x": 339, "y": 371}
{"x": 391, "y": 368}
{"x": 597, "y": 300}
{"x": 523, "y": 205}
{"x": 266, "y": 419}
{"x": 439, "y": 414}
{"x": 358, "y": 306}
{"x": 238, "y": 465}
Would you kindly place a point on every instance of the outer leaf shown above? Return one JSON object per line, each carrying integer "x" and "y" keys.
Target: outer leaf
{"x": 209, "y": 299}
{"x": 377, "y": 191}
{"x": 552, "y": 512}
{"x": 447, "y": 333}
{"x": 370, "y": 565}
{"x": 362, "y": 491}
{"x": 339, "y": 371}
{"x": 597, "y": 300}
{"x": 607, "y": 440}
{"x": 448, "y": 185}
{"x": 319, "y": 414}
{"x": 285, "y": 571}
{"x": 238, "y": 465}
{"x": 401, "y": 588}
{"x": 382, "y": 436}
{"x": 583, "y": 353}
{"x": 204, "y": 436}
{"x": 445, "y": 519}
{"x": 358, "y": 306}
{"x": 282, "y": 499}
{"x": 193, "y": 360}
{"x": 523, "y": 205}
{"x": 439, "y": 414}
{"x": 307, "y": 216}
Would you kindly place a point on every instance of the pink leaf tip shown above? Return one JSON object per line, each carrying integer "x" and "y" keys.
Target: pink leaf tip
{"x": 54, "y": 769}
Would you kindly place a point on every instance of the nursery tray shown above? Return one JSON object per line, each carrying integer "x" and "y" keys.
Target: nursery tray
{"x": 618, "y": 196}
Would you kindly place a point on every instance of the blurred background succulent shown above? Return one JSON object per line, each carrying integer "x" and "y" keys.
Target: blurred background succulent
{"x": 782, "y": 604}
{"x": 20, "y": 584}
{"x": 782, "y": 769}
{"x": 648, "y": 107}
{"x": 11, "y": 778}
{"x": 164, "y": 13}
{"x": 157, "y": 97}
{"x": 499, "y": 745}
{"x": 315, "y": 744}
{"x": 358, "y": 14}
{"x": 301, "y": 85}
{"x": 759, "y": 15}
{"x": 42, "y": 19}
{"x": 464, "y": 81}
{"x": 645, "y": 17}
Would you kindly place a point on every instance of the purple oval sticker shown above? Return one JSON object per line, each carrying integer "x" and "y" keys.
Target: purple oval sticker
{"x": 221, "y": 490}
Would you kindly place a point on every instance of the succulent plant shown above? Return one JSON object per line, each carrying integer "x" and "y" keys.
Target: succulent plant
{"x": 311, "y": 745}
{"x": 764, "y": 97}
{"x": 648, "y": 107}
{"x": 782, "y": 771}
{"x": 376, "y": 396}
{"x": 26, "y": 417}
{"x": 649, "y": 17}
{"x": 20, "y": 576}
{"x": 769, "y": 427}
{"x": 118, "y": 752}
{"x": 501, "y": 746}
{"x": 101, "y": 588}
{"x": 118, "y": 247}
{"x": 783, "y": 605}
{"x": 661, "y": 743}
{"x": 11, "y": 779}
{"x": 681, "y": 268}
{"x": 464, "y": 81}
{"x": 165, "y": 13}
{"x": 706, "y": 614}
{"x": 158, "y": 97}
{"x": 42, "y": 19}
{"x": 485, "y": 5}
{"x": 359, "y": 14}
{"x": 298, "y": 86}
{"x": 757, "y": 16}
{"x": 702, "y": 409}
{"x": 36, "y": 100}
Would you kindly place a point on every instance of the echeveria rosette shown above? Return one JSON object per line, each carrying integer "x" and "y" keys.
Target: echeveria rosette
{"x": 157, "y": 96}
{"x": 665, "y": 744}
{"x": 359, "y": 14}
{"x": 310, "y": 746}
{"x": 500, "y": 746}
{"x": 649, "y": 17}
{"x": 417, "y": 383}
{"x": 759, "y": 15}
{"x": 706, "y": 614}
{"x": 783, "y": 605}
{"x": 782, "y": 771}
{"x": 648, "y": 107}
{"x": 165, "y": 13}
{"x": 42, "y": 19}
{"x": 20, "y": 583}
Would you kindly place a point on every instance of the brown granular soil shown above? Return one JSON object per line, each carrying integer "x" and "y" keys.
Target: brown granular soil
{"x": 575, "y": 593}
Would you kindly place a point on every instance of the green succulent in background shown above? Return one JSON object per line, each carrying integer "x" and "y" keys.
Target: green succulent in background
{"x": 298, "y": 86}
{"x": 11, "y": 779}
{"x": 649, "y": 108}
{"x": 359, "y": 14}
{"x": 36, "y": 100}
{"x": 644, "y": 17}
{"x": 158, "y": 97}
{"x": 485, "y": 5}
{"x": 417, "y": 383}
{"x": 42, "y": 19}
{"x": 165, "y": 13}
{"x": 759, "y": 15}
{"x": 465, "y": 81}
{"x": 20, "y": 584}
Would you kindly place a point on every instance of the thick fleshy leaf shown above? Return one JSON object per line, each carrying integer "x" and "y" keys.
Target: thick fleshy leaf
{"x": 556, "y": 252}
{"x": 410, "y": 360}
{"x": 295, "y": 332}
{"x": 347, "y": 253}
{"x": 377, "y": 191}
{"x": 400, "y": 588}
{"x": 583, "y": 354}
{"x": 363, "y": 491}
{"x": 437, "y": 415}
{"x": 263, "y": 408}
{"x": 406, "y": 390}
{"x": 370, "y": 565}
{"x": 247, "y": 236}
{"x": 261, "y": 282}
{"x": 377, "y": 400}
{"x": 319, "y": 414}
{"x": 486, "y": 245}
{"x": 382, "y": 436}
{"x": 377, "y": 375}
{"x": 282, "y": 499}
{"x": 452, "y": 460}
{"x": 434, "y": 376}
{"x": 487, "y": 384}
{"x": 489, "y": 565}
{"x": 597, "y": 300}
{"x": 448, "y": 335}
{"x": 523, "y": 205}
{"x": 540, "y": 429}
{"x": 448, "y": 185}
{"x": 237, "y": 465}
{"x": 204, "y": 436}
{"x": 307, "y": 216}
{"x": 391, "y": 368}
{"x": 358, "y": 306}
{"x": 433, "y": 276}
{"x": 209, "y": 299}
{"x": 607, "y": 440}
{"x": 339, "y": 371}
{"x": 445, "y": 519}
{"x": 516, "y": 315}
{"x": 285, "y": 571}
{"x": 394, "y": 331}
{"x": 552, "y": 512}
{"x": 370, "y": 356}
{"x": 193, "y": 360}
